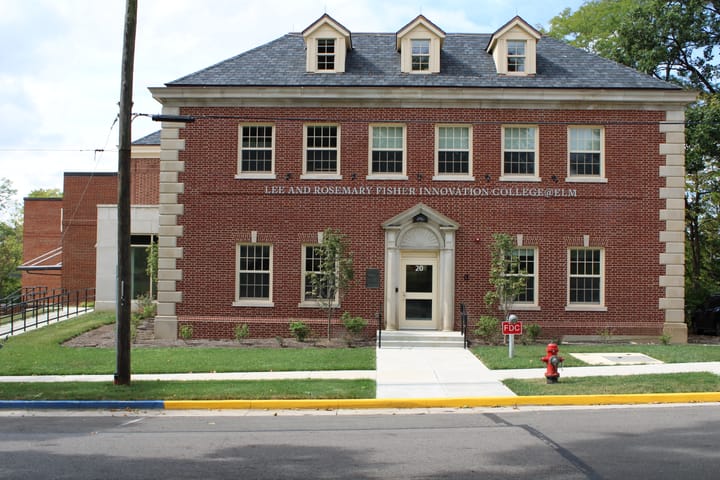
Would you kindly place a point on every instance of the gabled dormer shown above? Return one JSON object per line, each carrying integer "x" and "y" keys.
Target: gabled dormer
{"x": 326, "y": 46}
{"x": 419, "y": 43}
{"x": 513, "y": 48}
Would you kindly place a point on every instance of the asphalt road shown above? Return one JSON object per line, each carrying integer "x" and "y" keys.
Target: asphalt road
{"x": 655, "y": 442}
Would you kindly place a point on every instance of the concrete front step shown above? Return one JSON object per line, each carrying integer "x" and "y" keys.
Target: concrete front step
{"x": 419, "y": 339}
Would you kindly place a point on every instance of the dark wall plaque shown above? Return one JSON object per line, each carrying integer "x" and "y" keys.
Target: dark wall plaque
{"x": 372, "y": 278}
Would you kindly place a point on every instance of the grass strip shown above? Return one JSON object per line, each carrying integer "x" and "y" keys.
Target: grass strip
{"x": 191, "y": 390}
{"x": 655, "y": 383}
{"x": 528, "y": 356}
{"x": 40, "y": 352}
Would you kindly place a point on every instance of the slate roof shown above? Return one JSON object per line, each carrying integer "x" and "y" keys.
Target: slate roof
{"x": 152, "y": 139}
{"x": 375, "y": 62}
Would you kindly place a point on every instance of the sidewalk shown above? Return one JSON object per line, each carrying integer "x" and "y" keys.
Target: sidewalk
{"x": 411, "y": 373}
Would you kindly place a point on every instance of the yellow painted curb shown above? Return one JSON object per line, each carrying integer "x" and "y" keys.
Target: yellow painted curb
{"x": 369, "y": 403}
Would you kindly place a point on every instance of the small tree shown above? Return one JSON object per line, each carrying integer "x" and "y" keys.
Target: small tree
{"x": 334, "y": 274}
{"x": 505, "y": 274}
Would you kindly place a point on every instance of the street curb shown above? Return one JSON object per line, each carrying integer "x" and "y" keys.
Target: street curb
{"x": 467, "y": 402}
{"x": 368, "y": 403}
{"x": 82, "y": 404}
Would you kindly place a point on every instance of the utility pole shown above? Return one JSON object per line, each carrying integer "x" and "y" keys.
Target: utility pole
{"x": 123, "y": 296}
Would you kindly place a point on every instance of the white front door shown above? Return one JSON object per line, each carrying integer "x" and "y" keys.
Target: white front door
{"x": 418, "y": 291}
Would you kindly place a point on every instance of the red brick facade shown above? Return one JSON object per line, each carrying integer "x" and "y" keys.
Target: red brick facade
{"x": 619, "y": 216}
{"x": 42, "y": 236}
{"x": 82, "y": 193}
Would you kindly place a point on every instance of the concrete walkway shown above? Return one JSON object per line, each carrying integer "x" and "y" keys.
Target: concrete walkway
{"x": 434, "y": 373}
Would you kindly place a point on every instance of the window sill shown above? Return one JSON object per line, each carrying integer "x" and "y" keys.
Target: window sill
{"x": 253, "y": 303}
{"x": 314, "y": 304}
{"x": 255, "y": 176}
{"x": 579, "y": 179}
{"x": 525, "y": 307}
{"x": 377, "y": 176}
{"x": 585, "y": 308}
{"x": 320, "y": 176}
{"x": 453, "y": 178}
{"x": 520, "y": 178}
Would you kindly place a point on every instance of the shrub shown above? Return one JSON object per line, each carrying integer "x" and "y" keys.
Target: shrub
{"x": 147, "y": 308}
{"x": 186, "y": 332}
{"x": 531, "y": 333}
{"x": 354, "y": 325}
{"x": 488, "y": 329}
{"x": 300, "y": 330}
{"x": 242, "y": 331}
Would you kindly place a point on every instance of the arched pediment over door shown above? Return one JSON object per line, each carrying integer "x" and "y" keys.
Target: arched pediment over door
{"x": 423, "y": 238}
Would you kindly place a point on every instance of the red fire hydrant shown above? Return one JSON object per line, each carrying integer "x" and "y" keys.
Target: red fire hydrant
{"x": 553, "y": 361}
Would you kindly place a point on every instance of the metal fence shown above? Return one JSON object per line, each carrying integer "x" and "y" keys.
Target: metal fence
{"x": 32, "y": 311}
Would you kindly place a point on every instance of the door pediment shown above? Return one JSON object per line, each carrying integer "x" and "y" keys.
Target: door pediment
{"x": 421, "y": 213}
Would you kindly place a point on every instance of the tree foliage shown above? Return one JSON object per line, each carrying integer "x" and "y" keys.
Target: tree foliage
{"x": 505, "y": 275}
{"x": 10, "y": 239}
{"x": 46, "y": 193}
{"x": 676, "y": 41}
{"x": 335, "y": 273}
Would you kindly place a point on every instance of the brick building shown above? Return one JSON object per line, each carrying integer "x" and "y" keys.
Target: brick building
{"x": 69, "y": 242}
{"x": 419, "y": 145}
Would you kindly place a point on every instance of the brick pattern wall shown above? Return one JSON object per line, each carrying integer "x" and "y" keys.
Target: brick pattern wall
{"x": 216, "y": 211}
{"x": 41, "y": 234}
{"x": 82, "y": 193}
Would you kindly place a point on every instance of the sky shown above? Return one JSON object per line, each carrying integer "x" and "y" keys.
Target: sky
{"x": 60, "y": 62}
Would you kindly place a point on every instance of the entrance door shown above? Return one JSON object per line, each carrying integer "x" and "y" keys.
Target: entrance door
{"x": 418, "y": 287}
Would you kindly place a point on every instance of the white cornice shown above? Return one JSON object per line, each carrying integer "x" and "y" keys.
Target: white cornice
{"x": 422, "y": 97}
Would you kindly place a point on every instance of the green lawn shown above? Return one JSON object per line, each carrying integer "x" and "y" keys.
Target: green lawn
{"x": 528, "y": 356}
{"x": 660, "y": 383}
{"x": 191, "y": 390}
{"x": 40, "y": 353}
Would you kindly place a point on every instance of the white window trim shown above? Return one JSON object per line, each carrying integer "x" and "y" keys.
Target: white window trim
{"x": 387, "y": 175}
{"x": 587, "y": 178}
{"x": 508, "y": 57}
{"x": 534, "y": 305}
{"x": 451, "y": 176}
{"x": 248, "y": 302}
{"x": 510, "y": 177}
{"x": 303, "y": 279}
{"x": 586, "y": 307}
{"x": 322, "y": 175}
{"x": 255, "y": 175}
{"x": 317, "y": 54}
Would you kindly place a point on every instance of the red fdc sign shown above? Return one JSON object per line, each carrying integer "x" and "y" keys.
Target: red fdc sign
{"x": 509, "y": 328}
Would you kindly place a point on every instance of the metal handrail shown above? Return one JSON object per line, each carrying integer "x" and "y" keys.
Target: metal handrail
{"x": 34, "y": 312}
{"x": 463, "y": 324}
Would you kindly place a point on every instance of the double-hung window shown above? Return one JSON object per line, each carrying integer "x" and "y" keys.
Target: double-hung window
{"x": 326, "y": 54}
{"x": 257, "y": 153}
{"x": 312, "y": 292}
{"x": 585, "y": 154}
{"x": 453, "y": 156}
{"x": 322, "y": 150}
{"x": 387, "y": 151}
{"x": 585, "y": 277}
{"x": 525, "y": 266}
{"x": 420, "y": 55}
{"x": 254, "y": 274}
{"x": 520, "y": 153}
{"x": 516, "y": 56}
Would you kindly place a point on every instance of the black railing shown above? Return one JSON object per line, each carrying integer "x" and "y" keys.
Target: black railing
{"x": 33, "y": 312}
{"x": 380, "y": 327}
{"x": 463, "y": 324}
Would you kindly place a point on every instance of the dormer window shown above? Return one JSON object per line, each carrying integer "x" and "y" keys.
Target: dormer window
{"x": 516, "y": 55}
{"x": 326, "y": 46}
{"x": 420, "y": 55}
{"x": 326, "y": 54}
{"x": 513, "y": 48}
{"x": 419, "y": 44}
